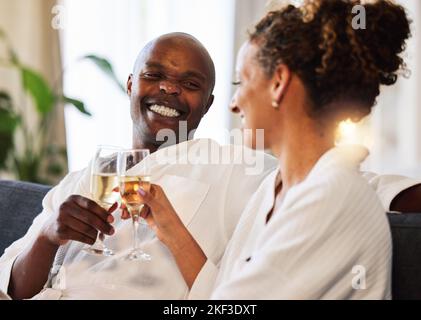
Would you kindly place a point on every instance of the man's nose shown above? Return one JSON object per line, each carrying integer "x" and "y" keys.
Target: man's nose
{"x": 169, "y": 87}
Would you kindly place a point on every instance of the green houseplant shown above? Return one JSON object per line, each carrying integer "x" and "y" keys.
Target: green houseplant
{"x": 34, "y": 158}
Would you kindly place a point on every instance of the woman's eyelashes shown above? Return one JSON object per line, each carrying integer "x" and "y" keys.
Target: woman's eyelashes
{"x": 236, "y": 83}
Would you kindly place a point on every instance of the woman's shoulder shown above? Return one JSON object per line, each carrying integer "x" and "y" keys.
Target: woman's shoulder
{"x": 334, "y": 206}
{"x": 337, "y": 191}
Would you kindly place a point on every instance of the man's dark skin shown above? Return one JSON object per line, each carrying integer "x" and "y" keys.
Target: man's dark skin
{"x": 165, "y": 74}
{"x": 408, "y": 201}
{"x": 174, "y": 70}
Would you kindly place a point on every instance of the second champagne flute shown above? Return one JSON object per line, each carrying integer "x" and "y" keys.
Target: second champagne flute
{"x": 133, "y": 174}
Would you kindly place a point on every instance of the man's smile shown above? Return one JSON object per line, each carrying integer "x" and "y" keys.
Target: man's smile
{"x": 164, "y": 111}
{"x": 165, "y": 108}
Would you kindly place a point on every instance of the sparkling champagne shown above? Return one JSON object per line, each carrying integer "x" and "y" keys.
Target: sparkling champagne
{"x": 104, "y": 189}
{"x": 129, "y": 186}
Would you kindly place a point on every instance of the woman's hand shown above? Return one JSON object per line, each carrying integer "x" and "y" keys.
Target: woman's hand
{"x": 162, "y": 218}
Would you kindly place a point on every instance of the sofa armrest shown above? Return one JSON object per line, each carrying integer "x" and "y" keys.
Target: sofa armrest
{"x": 406, "y": 266}
{"x": 20, "y": 203}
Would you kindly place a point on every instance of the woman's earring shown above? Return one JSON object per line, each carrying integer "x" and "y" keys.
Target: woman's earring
{"x": 275, "y": 104}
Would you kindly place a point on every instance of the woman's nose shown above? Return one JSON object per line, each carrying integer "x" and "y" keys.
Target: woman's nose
{"x": 169, "y": 88}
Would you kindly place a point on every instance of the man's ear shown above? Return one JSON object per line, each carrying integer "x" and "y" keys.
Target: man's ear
{"x": 129, "y": 84}
{"x": 280, "y": 82}
{"x": 208, "y": 105}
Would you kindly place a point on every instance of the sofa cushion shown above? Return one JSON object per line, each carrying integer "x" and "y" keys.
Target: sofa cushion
{"x": 406, "y": 274}
{"x": 20, "y": 203}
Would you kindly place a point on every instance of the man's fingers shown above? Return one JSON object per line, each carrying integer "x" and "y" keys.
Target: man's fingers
{"x": 91, "y": 219}
{"x": 76, "y": 236}
{"x": 73, "y": 225}
{"x": 110, "y": 218}
{"x": 113, "y": 208}
{"x": 90, "y": 205}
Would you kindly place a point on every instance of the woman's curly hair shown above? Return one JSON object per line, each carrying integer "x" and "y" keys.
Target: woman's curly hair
{"x": 341, "y": 67}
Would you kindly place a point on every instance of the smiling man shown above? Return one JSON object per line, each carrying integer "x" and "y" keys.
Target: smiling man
{"x": 172, "y": 81}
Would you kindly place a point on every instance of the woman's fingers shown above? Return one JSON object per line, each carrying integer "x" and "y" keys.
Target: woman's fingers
{"x": 160, "y": 214}
{"x": 144, "y": 212}
{"x": 125, "y": 214}
{"x": 155, "y": 199}
{"x": 158, "y": 207}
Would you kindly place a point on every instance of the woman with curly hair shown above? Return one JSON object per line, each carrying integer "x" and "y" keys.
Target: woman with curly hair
{"x": 321, "y": 233}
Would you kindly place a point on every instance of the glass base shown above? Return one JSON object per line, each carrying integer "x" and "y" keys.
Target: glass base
{"x": 99, "y": 251}
{"x": 139, "y": 255}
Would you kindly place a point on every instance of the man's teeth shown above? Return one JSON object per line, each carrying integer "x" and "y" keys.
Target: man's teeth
{"x": 165, "y": 111}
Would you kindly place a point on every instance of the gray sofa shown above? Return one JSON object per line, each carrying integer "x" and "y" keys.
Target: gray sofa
{"x": 20, "y": 202}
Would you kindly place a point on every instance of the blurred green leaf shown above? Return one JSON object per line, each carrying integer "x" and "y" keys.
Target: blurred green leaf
{"x": 5, "y": 101}
{"x": 55, "y": 169}
{"x": 105, "y": 66}
{"x": 53, "y": 149}
{"x": 8, "y": 123}
{"x": 6, "y": 144}
{"x": 77, "y": 104}
{"x": 27, "y": 168}
{"x": 8, "y": 118}
{"x": 31, "y": 162}
{"x": 39, "y": 90}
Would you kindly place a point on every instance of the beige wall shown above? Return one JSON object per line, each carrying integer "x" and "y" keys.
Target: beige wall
{"x": 28, "y": 26}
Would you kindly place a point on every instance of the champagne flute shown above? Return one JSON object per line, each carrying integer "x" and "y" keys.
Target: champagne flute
{"x": 103, "y": 189}
{"x": 133, "y": 173}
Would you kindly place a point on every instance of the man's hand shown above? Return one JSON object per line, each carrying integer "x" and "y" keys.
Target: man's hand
{"x": 79, "y": 219}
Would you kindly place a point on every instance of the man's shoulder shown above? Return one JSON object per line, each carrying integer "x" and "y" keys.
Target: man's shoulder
{"x": 207, "y": 154}
{"x": 74, "y": 182}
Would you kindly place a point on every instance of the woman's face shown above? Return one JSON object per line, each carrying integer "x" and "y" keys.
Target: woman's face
{"x": 252, "y": 99}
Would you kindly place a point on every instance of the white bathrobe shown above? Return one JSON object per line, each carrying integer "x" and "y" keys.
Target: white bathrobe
{"x": 328, "y": 239}
{"x": 209, "y": 199}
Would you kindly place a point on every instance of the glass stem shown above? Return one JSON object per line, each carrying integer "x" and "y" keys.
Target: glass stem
{"x": 100, "y": 240}
{"x": 135, "y": 218}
